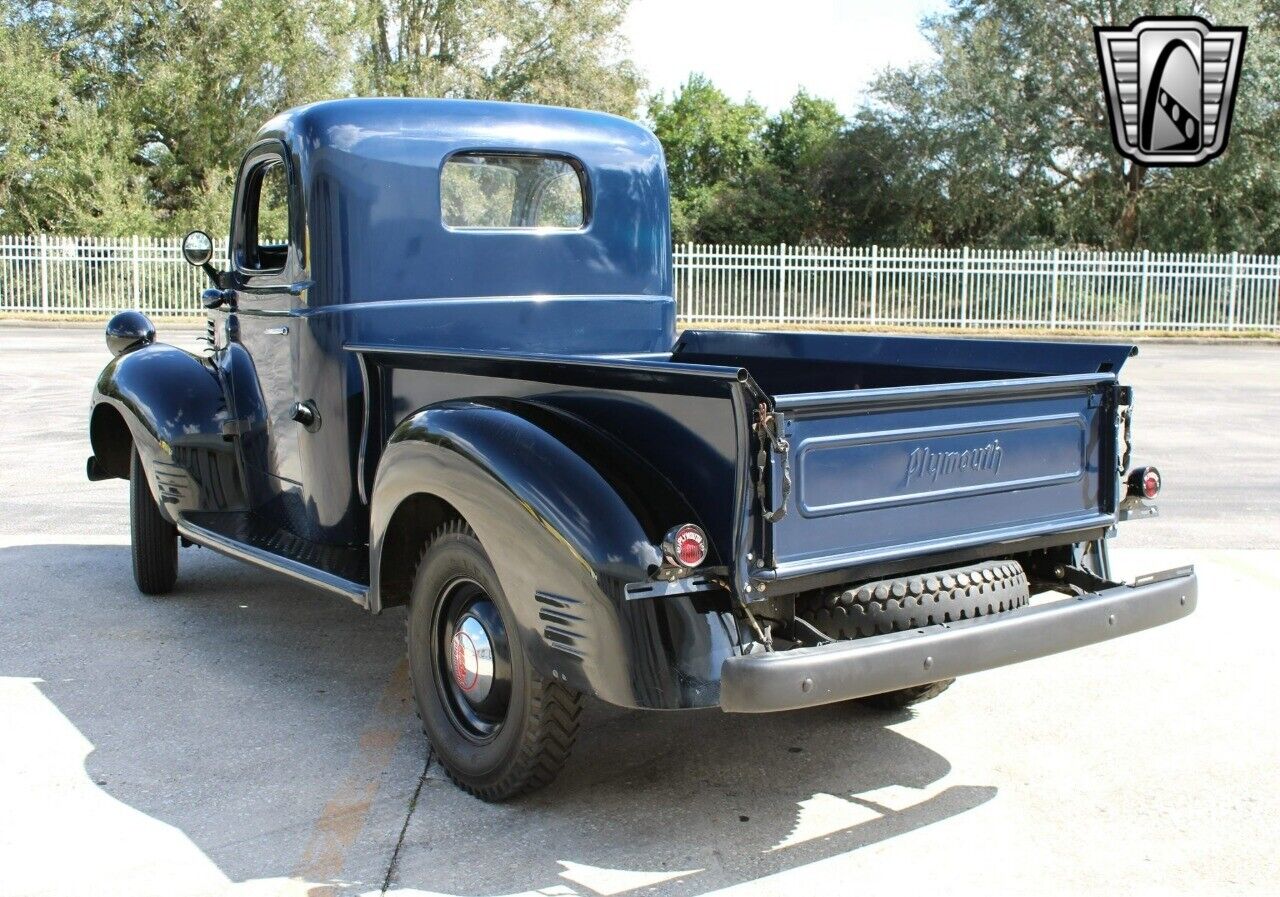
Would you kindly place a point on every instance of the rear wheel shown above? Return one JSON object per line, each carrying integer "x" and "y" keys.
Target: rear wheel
{"x": 909, "y": 602}
{"x": 497, "y": 727}
{"x": 153, "y": 540}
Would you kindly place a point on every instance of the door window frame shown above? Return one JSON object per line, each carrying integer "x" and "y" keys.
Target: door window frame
{"x": 265, "y": 152}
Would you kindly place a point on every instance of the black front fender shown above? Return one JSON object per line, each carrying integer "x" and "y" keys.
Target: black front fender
{"x": 564, "y": 544}
{"x": 173, "y": 406}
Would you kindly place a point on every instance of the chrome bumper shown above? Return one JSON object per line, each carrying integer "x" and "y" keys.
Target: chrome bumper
{"x": 806, "y": 677}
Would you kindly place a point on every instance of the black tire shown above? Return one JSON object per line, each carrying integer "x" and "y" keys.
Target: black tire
{"x": 908, "y": 602}
{"x": 905, "y": 697}
{"x": 519, "y": 737}
{"x": 153, "y": 540}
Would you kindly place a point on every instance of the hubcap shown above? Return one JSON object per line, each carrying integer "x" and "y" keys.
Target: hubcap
{"x": 471, "y": 660}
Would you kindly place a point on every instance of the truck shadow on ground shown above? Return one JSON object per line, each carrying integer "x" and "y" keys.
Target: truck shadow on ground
{"x": 247, "y": 711}
{"x": 722, "y": 799}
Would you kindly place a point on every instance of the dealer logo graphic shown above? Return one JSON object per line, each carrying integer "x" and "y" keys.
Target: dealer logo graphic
{"x": 1170, "y": 85}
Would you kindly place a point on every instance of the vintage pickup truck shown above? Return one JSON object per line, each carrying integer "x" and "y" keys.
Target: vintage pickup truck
{"x": 444, "y": 371}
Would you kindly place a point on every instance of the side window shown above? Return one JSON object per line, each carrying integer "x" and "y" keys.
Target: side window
{"x": 510, "y": 191}
{"x": 265, "y": 204}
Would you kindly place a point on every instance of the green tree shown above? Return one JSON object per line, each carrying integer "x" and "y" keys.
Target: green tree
{"x": 64, "y": 164}
{"x": 179, "y": 89}
{"x": 799, "y": 135}
{"x": 872, "y": 187}
{"x": 131, "y": 115}
{"x": 779, "y": 198}
{"x": 709, "y": 141}
{"x": 558, "y": 52}
{"x": 1009, "y": 134}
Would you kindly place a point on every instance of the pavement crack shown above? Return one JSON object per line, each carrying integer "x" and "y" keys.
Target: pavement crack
{"x": 404, "y": 829}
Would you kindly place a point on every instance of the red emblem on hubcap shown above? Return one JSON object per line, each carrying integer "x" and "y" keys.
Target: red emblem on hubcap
{"x": 466, "y": 671}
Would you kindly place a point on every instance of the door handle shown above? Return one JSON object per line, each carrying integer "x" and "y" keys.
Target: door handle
{"x": 276, "y": 331}
{"x": 306, "y": 414}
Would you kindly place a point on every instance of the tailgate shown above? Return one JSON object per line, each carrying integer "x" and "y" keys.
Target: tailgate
{"x": 881, "y": 474}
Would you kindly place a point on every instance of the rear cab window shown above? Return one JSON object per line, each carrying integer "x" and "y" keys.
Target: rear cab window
{"x": 509, "y": 191}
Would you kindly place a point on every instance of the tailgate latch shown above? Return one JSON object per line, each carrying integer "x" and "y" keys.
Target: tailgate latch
{"x": 773, "y": 461}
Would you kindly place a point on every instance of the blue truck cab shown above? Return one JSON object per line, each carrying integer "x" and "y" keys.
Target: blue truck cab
{"x": 443, "y": 371}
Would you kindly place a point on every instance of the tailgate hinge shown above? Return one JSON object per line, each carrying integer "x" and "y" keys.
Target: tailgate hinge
{"x": 1125, "y": 421}
{"x": 773, "y": 461}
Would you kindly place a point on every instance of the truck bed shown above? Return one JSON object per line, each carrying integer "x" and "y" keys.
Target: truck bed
{"x": 899, "y": 449}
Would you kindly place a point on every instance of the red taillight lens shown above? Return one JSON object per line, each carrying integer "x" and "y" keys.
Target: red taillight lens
{"x": 685, "y": 545}
{"x": 1151, "y": 482}
{"x": 1145, "y": 482}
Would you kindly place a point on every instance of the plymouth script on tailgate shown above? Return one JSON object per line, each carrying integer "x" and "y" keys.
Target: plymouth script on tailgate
{"x": 926, "y": 464}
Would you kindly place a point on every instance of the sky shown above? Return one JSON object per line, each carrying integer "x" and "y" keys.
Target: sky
{"x": 832, "y": 48}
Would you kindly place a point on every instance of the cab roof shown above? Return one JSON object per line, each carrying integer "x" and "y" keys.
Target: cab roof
{"x": 367, "y": 172}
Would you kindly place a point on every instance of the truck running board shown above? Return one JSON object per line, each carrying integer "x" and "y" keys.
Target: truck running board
{"x": 247, "y": 537}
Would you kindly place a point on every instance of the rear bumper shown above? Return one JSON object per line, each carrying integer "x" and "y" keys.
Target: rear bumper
{"x": 806, "y": 677}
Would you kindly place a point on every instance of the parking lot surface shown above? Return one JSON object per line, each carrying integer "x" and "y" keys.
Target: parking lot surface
{"x": 248, "y": 736}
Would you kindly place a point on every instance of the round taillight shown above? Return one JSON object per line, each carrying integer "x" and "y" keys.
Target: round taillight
{"x": 685, "y": 545}
{"x": 1145, "y": 482}
{"x": 1150, "y": 482}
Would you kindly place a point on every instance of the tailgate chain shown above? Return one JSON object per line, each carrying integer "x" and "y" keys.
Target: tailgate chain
{"x": 766, "y": 428}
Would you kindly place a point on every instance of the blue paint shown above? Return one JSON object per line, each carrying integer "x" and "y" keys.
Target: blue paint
{"x": 368, "y": 175}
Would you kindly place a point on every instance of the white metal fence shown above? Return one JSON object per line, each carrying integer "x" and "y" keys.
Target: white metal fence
{"x": 978, "y": 288}
{"x": 99, "y": 275}
{"x": 764, "y": 285}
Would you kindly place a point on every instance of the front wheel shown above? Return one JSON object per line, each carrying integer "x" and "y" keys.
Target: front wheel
{"x": 153, "y": 540}
{"x": 497, "y": 727}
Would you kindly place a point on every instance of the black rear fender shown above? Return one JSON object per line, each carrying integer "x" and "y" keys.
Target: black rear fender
{"x": 564, "y": 543}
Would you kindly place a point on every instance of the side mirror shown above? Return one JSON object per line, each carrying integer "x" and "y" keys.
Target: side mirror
{"x": 197, "y": 249}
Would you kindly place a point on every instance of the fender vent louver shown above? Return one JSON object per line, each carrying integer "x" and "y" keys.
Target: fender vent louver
{"x": 564, "y": 627}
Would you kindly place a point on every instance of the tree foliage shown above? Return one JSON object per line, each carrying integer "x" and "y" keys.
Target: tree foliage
{"x": 1003, "y": 140}
{"x": 127, "y": 116}
{"x": 709, "y": 141}
{"x": 534, "y": 51}
{"x": 60, "y": 163}
{"x": 1011, "y": 127}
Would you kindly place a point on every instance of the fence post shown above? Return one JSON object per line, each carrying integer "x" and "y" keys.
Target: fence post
{"x": 875, "y": 293}
{"x": 964, "y": 286}
{"x": 1142, "y": 296}
{"x": 1235, "y": 284}
{"x": 44, "y": 272}
{"x": 691, "y": 283}
{"x": 133, "y": 273}
{"x": 1053, "y": 289}
{"x": 782, "y": 282}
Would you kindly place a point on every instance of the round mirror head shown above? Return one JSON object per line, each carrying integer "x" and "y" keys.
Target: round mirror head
{"x": 197, "y": 248}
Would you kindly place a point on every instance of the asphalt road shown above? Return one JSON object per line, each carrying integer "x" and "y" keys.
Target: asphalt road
{"x": 246, "y": 736}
